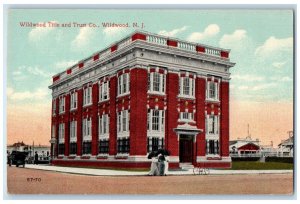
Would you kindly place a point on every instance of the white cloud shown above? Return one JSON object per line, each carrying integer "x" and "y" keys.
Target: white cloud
{"x": 281, "y": 79}
{"x": 172, "y": 33}
{"x": 257, "y": 87}
{"x": 83, "y": 38}
{"x": 113, "y": 31}
{"x": 234, "y": 39}
{"x": 273, "y": 45}
{"x": 247, "y": 77}
{"x": 278, "y": 65}
{"x": 64, "y": 64}
{"x": 38, "y": 33}
{"x": 23, "y": 72}
{"x": 19, "y": 96}
{"x": 210, "y": 31}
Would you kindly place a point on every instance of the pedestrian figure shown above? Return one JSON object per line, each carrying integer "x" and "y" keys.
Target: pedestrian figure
{"x": 154, "y": 167}
{"x": 36, "y": 158}
{"x": 161, "y": 164}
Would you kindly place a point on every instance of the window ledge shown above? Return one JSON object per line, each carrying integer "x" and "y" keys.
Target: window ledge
{"x": 123, "y": 94}
{"x": 156, "y": 93}
{"x": 72, "y": 109}
{"x": 123, "y": 134}
{"x": 186, "y": 121}
{"x": 106, "y": 136}
{"x": 212, "y": 100}
{"x": 87, "y": 105}
{"x": 63, "y": 112}
{"x": 102, "y": 101}
{"x": 87, "y": 138}
{"x": 61, "y": 141}
{"x": 122, "y": 155}
{"x": 186, "y": 97}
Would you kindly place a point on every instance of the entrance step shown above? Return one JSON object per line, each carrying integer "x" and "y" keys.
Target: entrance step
{"x": 186, "y": 166}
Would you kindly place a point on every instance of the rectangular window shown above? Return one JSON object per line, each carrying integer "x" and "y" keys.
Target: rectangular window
{"x": 156, "y": 83}
{"x": 123, "y": 84}
{"x": 87, "y": 127}
{"x": 212, "y": 90}
{"x": 123, "y": 121}
{"x": 154, "y": 143}
{"x": 53, "y": 134}
{"x": 73, "y": 100}
{"x": 73, "y": 148}
{"x": 104, "y": 91}
{"x": 62, "y": 104}
{"x": 187, "y": 87}
{"x": 87, "y": 95}
{"x": 61, "y": 149}
{"x": 53, "y": 107}
{"x": 87, "y": 147}
{"x": 61, "y": 132}
{"x": 213, "y": 124}
{"x": 103, "y": 125}
{"x": 212, "y": 147}
{"x": 73, "y": 130}
{"x": 156, "y": 120}
{"x": 123, "y": 145}
{"x": 186, "y": 116}
{"x": 103, "y": 146}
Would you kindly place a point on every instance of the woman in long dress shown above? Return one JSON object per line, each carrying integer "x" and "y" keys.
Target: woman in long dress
{"x": 154, "y": 167}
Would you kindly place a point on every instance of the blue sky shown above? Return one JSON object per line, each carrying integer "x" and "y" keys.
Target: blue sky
{"x": 261, "y": 42}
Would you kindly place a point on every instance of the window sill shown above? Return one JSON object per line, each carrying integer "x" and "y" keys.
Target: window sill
{"x": 87, "y": 105}
{"x": 106, "y": 136}
{"x": 156, "y": 134}
{"x": 63, "y": 112}
{"x": 213, "y": 157}
{"x": 122, "y": 155}
{"x": 73, "y": 109}
{"x": 123, "y": 94}
{"x": 123, "y": 134}
{"x": 156, "y": 93}
{"x": 87, "y": 138}
{"x": 61, "y": 141}
{"x": 186, "y": 97}
{"x": 212, "y": 100}
{"x": 73, "y": 140}
{"x": 102, "y": 101}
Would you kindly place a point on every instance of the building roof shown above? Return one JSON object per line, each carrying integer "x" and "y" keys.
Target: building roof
{"x": 146, "y": 40}
{"x": 289, "y": 141}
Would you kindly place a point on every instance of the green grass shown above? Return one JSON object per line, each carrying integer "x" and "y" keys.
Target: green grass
{"x": 254, "y": 165}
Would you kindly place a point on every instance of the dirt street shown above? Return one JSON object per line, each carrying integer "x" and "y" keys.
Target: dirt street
{"x": 30, "y": 181}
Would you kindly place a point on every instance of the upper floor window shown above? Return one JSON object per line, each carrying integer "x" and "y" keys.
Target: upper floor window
{"x": 61, "y": 104}
{"x": 187, "y": 87}
{"x": 61, "y": 132}
{"x": 53, "y": 134}
{"x": 54, "y": 107}
{"x": 156, "y": 82}
{"x": 73, "y": 100}
{"x": 212, "y": 127}
{"x": 104, "y": 91}
{"x": 87, "y": 95}
{"x": 103, "y": 124}
{"x": 186, "y": 116}
{"x": 123, "y": 121}
{"x": 212, "y": 90}
{"x": 87, "y": 127}
{"x": 123, "y": 84}
{"x": 156, "y": 120}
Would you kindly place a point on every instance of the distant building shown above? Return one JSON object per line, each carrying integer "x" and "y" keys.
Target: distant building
{"x": 269, "y": 150}
{"x": 42, "y": 150}
{"x": 286, "y": 147}
{"x": 244, "y": 147}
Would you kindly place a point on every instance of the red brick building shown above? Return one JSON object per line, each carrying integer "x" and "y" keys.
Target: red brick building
{"x": 142, "y": 93}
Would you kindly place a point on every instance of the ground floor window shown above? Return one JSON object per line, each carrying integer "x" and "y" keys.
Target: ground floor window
{"x": 212, "y": 147}
{"x": 61, "y": 149}
{"x": 103, "y": 146}
{"x": 123, "y": 145}
{"x": 87, "y": 147}
{"x": 155, "y": 143}
{"x": 73, "y": 148}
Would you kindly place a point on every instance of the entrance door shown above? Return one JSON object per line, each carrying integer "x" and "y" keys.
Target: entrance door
{"x": 186, "y": 149}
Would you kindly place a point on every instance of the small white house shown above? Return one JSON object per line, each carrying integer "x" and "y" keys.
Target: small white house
{"x": 286, "y": 147}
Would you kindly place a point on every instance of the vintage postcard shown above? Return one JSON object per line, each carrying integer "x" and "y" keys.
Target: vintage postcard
{"x": 150, "y": 101}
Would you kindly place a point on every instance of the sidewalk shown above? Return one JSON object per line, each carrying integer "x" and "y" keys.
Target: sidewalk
{"x": 109, "y": 172}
